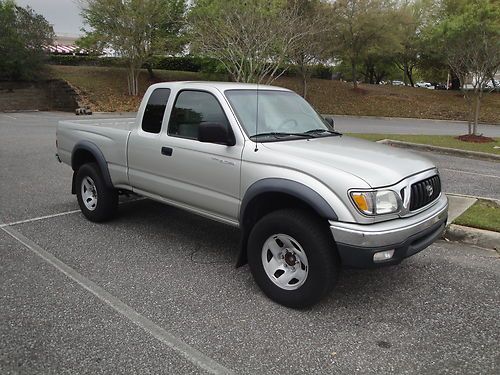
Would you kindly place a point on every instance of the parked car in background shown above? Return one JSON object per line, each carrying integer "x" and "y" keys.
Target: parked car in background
{"x": 493, "y": 85}
{"x": 424, "y": 85}
{"x": 398, "y": 83}
{"x": 440, "y": 86}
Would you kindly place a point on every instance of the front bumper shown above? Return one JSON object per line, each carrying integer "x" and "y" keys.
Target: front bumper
{"x": 357, "y": 243}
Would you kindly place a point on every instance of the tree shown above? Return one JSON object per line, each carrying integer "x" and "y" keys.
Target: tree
{"x": 250, "y": 38}
{"x": 91, "y": 43}
{"x": 378, "y": 65}
{"x": 135, "y": 29}
{"x": 406, "y": 59}
{"x": 358, "y": 25}
{"x": 468, "y": 32}
{"x": 313, "y": 47}
{"x": 23, "y": 36}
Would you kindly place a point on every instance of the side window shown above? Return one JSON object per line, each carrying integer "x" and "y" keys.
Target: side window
{"x": 192, "y": 108}
{"x": 153, "y": 114}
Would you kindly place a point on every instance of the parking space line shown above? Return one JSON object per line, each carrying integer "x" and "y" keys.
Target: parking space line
{"x": 188, "y": 352}
{"x": 39, "y": 218}
{"x": 61, "y": 214}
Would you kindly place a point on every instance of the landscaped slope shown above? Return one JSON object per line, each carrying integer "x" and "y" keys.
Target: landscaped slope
{"x": 105, "y": 90}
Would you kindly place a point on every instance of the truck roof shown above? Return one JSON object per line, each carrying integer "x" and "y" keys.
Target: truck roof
{"x": 221, "y": 86}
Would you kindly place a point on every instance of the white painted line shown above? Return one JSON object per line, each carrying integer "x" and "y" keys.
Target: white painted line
{"x": 39, "y": 218}
{"x": 188, "y": 352}
{"x": 12, "y": 117}
{"x": 472, "y": 173}
{"x": 59, "y": 214}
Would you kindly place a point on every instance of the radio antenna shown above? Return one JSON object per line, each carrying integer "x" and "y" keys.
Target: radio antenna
{"x": 257, "y": 119}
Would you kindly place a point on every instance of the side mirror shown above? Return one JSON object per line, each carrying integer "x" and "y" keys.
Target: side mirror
{"x": 329, "y": 120}
{"x": 215, "y": 132}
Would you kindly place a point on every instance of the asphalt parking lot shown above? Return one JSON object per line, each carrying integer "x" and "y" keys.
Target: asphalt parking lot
{"x": 156, "y": 291}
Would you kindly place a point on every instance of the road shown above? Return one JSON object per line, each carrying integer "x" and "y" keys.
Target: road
{"x": 354, "y": 124}
{"x": 156, "y": 291}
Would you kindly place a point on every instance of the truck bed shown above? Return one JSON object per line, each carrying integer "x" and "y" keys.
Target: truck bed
{"x": 126, "y": 123}
{"x": 109, "y": 135}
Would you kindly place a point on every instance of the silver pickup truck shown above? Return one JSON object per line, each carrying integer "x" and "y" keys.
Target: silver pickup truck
{"x": 306, "y": 198}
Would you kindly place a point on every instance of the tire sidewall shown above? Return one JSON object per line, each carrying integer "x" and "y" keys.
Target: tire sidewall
{"x": 317, "y": 247}
{"x": 106, "y": 198}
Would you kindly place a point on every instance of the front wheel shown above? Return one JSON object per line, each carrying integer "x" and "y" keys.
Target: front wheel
{"x": 97, "y": 201}
{"x": 292, "y": 258}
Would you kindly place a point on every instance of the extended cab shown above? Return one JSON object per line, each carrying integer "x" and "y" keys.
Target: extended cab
{"x": 306, "y": 198}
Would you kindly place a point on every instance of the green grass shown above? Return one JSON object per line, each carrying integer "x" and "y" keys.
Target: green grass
{"x": 436, "y": 140}
{"x": 483, "y": 215}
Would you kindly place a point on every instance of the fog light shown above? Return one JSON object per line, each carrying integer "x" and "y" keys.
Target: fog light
{"x": 383, "y": 255}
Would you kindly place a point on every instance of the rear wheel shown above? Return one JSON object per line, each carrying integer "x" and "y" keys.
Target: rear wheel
{"x": 97, "y": 201}
{"x": 292, "y": 258}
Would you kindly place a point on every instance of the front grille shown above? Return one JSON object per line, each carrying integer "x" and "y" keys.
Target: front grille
{"x": 424, "y": 192}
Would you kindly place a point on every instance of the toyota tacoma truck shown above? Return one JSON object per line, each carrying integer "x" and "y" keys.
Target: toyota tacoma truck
{"x": 307, "y": 199}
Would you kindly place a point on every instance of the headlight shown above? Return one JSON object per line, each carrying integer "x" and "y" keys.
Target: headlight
{"x": 376, "y": 202}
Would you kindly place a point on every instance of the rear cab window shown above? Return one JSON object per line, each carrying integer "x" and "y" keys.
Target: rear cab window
{"x": 154, "y": 111}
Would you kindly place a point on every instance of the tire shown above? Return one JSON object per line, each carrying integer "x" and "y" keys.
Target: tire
{"x": 305, "y": 248}
{"x": 97, "y": 201}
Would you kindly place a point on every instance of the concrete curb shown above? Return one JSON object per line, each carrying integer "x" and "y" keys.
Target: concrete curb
{"x": 448, "y": 122}
{"x": 442, "y": 150}
{"x": 473, "y": 236}
{"x": 472, "y": 196}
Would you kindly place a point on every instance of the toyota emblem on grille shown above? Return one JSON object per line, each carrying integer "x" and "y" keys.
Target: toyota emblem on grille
{"x": 429, "y": 189}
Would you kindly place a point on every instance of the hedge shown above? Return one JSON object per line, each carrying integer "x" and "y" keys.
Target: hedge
{"x": 183, "y": 63}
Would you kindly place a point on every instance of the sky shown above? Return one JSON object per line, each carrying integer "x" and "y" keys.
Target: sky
{"x": 63, "y": 15}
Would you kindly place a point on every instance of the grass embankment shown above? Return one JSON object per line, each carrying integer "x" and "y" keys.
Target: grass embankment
{"x": 105, "y": 90}
{"x": 436, "y": 140}
{"x": 483, "y": 215}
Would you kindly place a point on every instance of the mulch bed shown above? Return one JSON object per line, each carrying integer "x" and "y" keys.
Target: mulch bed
{"x": 475, "y": 138}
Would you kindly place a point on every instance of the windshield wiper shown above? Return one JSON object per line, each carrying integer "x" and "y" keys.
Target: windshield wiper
{"x": 278, "y": 135}
{"x": 319, "y": 131}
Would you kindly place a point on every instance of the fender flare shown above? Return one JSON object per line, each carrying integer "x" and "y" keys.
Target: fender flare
{"x": 280, "y": 185}
{"x": 98, "y": 156}
{"x": 290, "y": 187}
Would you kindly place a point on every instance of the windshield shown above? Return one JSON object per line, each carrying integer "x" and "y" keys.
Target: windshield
{"x": 280, "y": 113}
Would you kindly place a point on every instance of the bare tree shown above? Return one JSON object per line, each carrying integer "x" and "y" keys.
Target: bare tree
{"x": 312, "y": 48}
{"x": 357, "y": 26}
{"x": 250, "y": 38}
{"x": 470, "y": 39}
{"x": 474, "y": 68}
{"x": 130, "y": 27}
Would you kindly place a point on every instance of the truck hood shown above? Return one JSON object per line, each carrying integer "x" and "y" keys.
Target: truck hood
{"x": 378, "y": 165}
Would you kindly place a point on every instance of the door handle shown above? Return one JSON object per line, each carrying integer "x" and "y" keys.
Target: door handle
{"x": 167, "y": 151}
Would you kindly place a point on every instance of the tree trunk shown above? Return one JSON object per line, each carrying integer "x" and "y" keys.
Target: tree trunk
{"x": 303, "y": 78}
{"x": 371, "y": 75}
{"x": 132, "y": 80}
{"x": 151, "y": 74}
{"x": 304, "y": 85}
{"x": 476, "y": 113}
{"x": 470, "y": 117}
{"x": 353, "y": 72}
{"x": 409, "y": 73}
